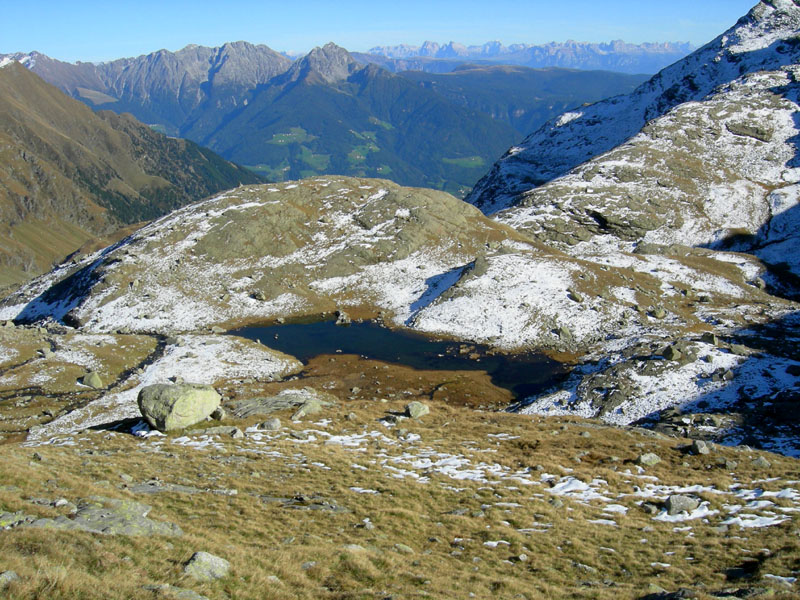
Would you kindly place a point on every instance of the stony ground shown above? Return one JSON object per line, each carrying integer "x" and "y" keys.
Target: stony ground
{"x": 358, "y": 501}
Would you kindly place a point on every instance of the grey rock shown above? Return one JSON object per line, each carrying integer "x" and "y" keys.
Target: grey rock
{"x": 170, "y": 407}
{"x": 404, "y": 549}
{"x": 7, "y": 578}
{"x": 206, "y": 567}
{"x": 678, "y": 503}
{"x": 311, "y": 406}
{"x": 700, "y": 447}
{"x": 111, "y": 516}
{"x": 342, "y": 318}
{"x": 761, "y": 463}
{"x": 273, "y": 424}
{"x": 287, "y": 399}
{"x": 417, "y": 410}
{"x": 219, "y": 414}
{"x": 648, "y": 459}
{"x": 710, "y": 338}
{"x": 672, "y": 353}
{"x": 217, "y": 329}
{"x": 93, "y": 380}
{"x": 659, "y": 312}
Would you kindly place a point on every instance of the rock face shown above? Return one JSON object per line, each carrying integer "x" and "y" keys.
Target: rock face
{"x": 169, "y": 407}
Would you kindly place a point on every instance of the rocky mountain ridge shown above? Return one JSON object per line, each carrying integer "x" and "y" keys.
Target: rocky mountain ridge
{"x": 326, "y": 112}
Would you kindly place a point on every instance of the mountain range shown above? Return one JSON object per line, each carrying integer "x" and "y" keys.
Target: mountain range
{"x": 329, "y": 112}
{"x": 612, "y": 56}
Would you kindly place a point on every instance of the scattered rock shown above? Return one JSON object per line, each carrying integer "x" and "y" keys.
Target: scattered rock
{"x": 206, "y": 567}
{"x": 417, "y": 410}
{"x": 672, "y": 353}
{"x": 404, "y": 549}
{"x": 700, "y": 447}
{"x": 659, "y": 313}
{"x": 110, "y": 516}
{"x": 217, "y": 329}
{"x": 648, "y": 459}
{"x": 169, "y": 407}
{"x": 342, "y": 318}
{"x": 351, "y": 417}
{"x": 93, "y": 380}
{"x": 273, "y": 424}
{"x": 219, "y": 414}
{"x": 678, "y": 503}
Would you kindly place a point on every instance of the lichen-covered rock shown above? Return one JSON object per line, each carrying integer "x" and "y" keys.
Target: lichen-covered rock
{"x": 168, "y": 407}
{"x": 678, "y": 503}
{"x": 206, "y": 567}
{"x": 417, "y": 410}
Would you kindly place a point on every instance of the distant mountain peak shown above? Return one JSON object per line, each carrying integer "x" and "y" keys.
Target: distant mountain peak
{"x": 326, "y": 64}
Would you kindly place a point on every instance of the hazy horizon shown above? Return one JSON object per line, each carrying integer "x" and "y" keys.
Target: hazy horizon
{"x": 93, "y": 31}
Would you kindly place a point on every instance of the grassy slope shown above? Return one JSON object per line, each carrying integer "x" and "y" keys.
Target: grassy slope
{"x": 68, "y": 174}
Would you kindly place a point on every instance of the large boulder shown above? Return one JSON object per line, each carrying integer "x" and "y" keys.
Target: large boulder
{"x": 168, "y": 407}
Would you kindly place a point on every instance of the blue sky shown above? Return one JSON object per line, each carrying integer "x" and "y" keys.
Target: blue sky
{"x": 94, "y": 30}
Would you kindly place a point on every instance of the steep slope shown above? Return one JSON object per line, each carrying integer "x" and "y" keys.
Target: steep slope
{"x": 329, "y": 114}
{"x": 68, "y": 174}
{"x": 765, "y": 39}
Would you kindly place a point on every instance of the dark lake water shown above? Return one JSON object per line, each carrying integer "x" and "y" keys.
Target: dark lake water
{"x": 524, "y": 374}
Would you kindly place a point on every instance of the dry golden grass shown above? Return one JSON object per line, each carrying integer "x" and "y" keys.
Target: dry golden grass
{"x": 569, "y": 558}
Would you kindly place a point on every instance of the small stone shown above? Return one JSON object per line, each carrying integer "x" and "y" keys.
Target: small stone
{"x": 309, "y": 407}
{"x": 219, "y": 414}
{"x": 586, "y": 434}
{"x": 672, "y": 353}
{"x": 648, "y": 459}
{"x": 93, "y": 380}
{"x": 700, "y": 447}
{"x": 231, "y": 431}
{"x": 650, "y": 508}
{"x": 416, "y": 409}
{"x": 678, "y": 503}
{"x": 170, "y": 592}
{"x": 739, "y": 350}
{"x": 404, "y": 549}
{"x": 206, "y": 567}
{"x": 8, "y": 577}
{"x": 342, "y": 318}
{"x": 217, "y": 329}
{"x": 354, "y": 548}
{"x": 351, "y": 417}
{"x": 659, "y": 312}
{"x": 556, "y": 502}
{"x": 308, "y": 565}
{"x": 710, "y": 338}
{"x": 574, "y": 295}
{"x": 761, "y": 463}
{"x": 126, "y": 478}
{"x": 273, "y": 424}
